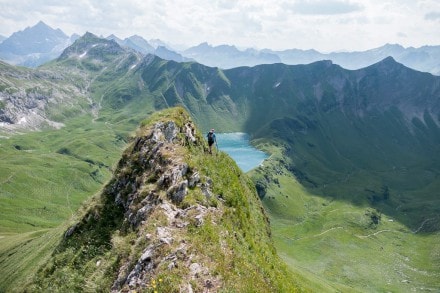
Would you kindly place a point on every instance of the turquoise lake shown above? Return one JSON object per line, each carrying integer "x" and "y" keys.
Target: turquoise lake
{"x": 238, "y": 147}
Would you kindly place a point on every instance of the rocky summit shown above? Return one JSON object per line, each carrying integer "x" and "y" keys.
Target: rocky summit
{"x": 173, "y": 218}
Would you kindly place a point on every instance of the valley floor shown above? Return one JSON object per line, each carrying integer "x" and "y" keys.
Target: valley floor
{"x": 331, "y": 243}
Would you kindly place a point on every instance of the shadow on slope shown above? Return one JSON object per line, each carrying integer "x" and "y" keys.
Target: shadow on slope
{"x": 370, "y": 137}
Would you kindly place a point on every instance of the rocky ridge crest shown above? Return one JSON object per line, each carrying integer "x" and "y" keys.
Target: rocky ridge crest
{"x": 172, "y": 219}
{"x": 140, "y": 199}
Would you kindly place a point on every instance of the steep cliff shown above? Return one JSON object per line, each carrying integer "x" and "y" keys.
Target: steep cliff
{"x": 172, "y": 219}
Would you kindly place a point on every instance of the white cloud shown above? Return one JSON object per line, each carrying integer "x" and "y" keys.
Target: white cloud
{"x": 324, "y": 25}
{"x": 323, "y": 7}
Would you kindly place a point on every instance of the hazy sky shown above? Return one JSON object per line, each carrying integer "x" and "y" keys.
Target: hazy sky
{"x": 331, "y": 25}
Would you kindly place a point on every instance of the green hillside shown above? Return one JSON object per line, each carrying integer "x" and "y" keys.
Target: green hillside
{"x": 353, "y": 247}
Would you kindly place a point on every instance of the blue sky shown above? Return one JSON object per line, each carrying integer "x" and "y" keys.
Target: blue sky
{"x": 334, "y": 25}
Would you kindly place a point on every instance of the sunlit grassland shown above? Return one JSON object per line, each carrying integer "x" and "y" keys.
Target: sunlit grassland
{"x": 44, "y": 178}
{"x": 22, "y": 253}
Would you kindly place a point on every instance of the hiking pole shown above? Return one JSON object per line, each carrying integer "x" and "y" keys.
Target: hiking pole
{"x": 216, "y": 145}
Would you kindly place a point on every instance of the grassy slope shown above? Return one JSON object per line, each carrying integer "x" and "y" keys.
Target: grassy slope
{"x": 334, "y": 242}
{"x": 43, "y": 184}
{"x": 45, "y": 176}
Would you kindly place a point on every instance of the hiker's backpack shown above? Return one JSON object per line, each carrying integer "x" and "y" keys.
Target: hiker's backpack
{"x": 210, "y": 136}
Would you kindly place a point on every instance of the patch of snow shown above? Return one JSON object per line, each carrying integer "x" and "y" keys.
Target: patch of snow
{"x": 133, "y": 66}
{"x": 83, "y": 54}
{"x": 277, "y": 84}
{"x": 94, "y": 45}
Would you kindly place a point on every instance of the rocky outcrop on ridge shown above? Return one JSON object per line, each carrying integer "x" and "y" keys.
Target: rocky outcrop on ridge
{"x": 148, "y": 162}
{"x": 172, "y": 219}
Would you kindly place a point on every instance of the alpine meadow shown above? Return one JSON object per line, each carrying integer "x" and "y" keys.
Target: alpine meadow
{"x": 103, "y": 189}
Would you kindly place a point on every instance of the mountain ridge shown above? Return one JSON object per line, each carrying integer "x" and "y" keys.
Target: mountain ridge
{"x": 169, "y": 222}
{"x": 423, "y": 58}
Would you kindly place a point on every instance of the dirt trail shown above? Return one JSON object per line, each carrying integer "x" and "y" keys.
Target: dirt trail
{"x": 374, "y": 234}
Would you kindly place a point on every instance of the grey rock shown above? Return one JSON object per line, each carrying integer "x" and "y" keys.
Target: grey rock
{"x": 195, "y": 269}
{"x": 178, "y": 191}
{"x": 147, "y": 255}
{"x": 194, "y": 180}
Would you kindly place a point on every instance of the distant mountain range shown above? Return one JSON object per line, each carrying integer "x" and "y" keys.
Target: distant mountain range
{"x": 425, "y": 58}
{"x": 158, "y": 48}
{"x": 226, "y": 56}
{"x": 40, "y": 43}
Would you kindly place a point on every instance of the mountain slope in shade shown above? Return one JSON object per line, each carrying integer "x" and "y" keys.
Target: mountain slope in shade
{"x": 335, "y": 123}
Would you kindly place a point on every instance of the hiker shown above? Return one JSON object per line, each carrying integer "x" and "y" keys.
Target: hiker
{"x": 211, "y": 139}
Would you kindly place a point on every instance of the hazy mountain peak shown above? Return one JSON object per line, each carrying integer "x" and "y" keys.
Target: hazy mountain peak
{"x": 41, "y": 25}
{"x": 139, "y": 44}
{"x": 136, "y": 37}
{"x": 156, "y": 43}
{"x": 397, "y": 46}
{"x": 113, "y": 37}
{"x": 388, "y": 63}
{"x": 203, "y": 45}
{"x": 39, "y": 38}
{"x": 165, "y": 53}
{"x": 389, "y": 60}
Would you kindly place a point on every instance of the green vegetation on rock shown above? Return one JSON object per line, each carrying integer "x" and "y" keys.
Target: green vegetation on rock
{"x": 139, "y": 234}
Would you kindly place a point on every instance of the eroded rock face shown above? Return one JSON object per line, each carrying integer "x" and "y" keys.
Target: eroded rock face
{"x": 151, "y": 161}
{"x": 26, "y": 96}
{"x": 23, "y": 110}
{"x": 152, "y": 179}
